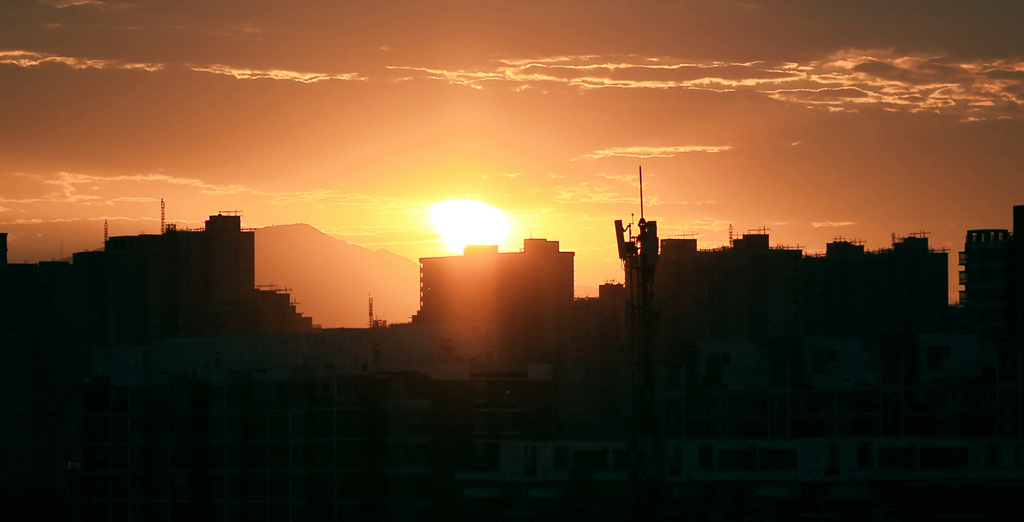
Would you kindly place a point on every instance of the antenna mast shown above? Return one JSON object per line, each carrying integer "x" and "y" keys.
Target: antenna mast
{"x": 641, "y": 169}
{"x": 639, "y": 255}
{"x": 162, "y": 226}
{"x": 370, "y": 323}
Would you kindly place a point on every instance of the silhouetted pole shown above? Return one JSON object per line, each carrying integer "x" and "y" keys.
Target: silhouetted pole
{"x": 639, "y": 255}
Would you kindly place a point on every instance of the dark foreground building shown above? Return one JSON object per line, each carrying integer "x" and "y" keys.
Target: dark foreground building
{"x": 822, "y": 395}
{"x": 139, "y": 291}
{"x": 751, "y": 291}
{"x": 993, "y": 279}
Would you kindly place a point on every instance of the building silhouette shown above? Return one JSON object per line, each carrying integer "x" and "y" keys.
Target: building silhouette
{"x": 189, "y": 283}
{"x": 137, "y": 292}
{"x": 520, "y": 299}
{"x": 153, "y": 381}
{"x": 752, "y": 291}
{"x": 993, "y": 279}
{"x": 42, "y": 365}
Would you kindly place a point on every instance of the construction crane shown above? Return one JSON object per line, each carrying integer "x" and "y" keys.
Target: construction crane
{"x": 638, "y": 250}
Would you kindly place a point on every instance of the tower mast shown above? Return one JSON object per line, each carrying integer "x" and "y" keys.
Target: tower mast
{"x": 639, "y": 255}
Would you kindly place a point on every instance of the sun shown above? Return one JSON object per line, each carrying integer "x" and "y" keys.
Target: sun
{"x": 461, "y": 222}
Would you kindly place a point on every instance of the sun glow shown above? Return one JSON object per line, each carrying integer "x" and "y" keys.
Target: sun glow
{"x": 461, "y": 223}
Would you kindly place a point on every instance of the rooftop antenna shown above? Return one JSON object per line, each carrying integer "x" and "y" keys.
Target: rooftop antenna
{"x": 162, "y": 226}
{"x": 370, "y": 323}
{"x": 641, "y": 169}
{"x": 106, "y": 233}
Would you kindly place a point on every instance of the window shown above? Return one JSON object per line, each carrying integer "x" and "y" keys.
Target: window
{"x": 705, "y": 457}
{"x": 896, "y": 458}
{"x": 935, "y": 355}
{"x": 818, "y": 360}
{"x": 864, "y": 455}
{"x": 776, "y": 459}
{"x": 560, "y": 458}
{"x": 944, "y": 458}
{"x": 736, "y": 459}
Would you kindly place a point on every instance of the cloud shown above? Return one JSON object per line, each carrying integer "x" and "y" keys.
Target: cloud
{"x": 127, "y": 199}
{"x": 509, "y": 175}
{"x": 27, "y": 59}
{"x": 274, "y": 74}
{"x": 380, "y": 204}
{"x": 38, "y": 221}
{"x": 64, "y": 4}
{"x": 587, "y": 192}
{"x": 652, "y": 152}
{"x": 67, "y": 192}
{"x": 824, "y": 95}
{"x": 820, "y": 224}
{"x": 712, "y": 224}
{"x": 22, "y": 58}
{"x": 844, "y": 81}
{"x": 585, "y": 73}
{"x": 621, "y": 178}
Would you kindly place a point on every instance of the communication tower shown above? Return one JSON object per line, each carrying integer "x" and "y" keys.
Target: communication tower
{"x": 639, "y": 255}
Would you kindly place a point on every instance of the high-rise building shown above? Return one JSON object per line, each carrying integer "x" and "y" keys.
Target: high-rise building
{"x": 137, "y": 292}
{"x": 993, "y": 279}
{"x": 751, "y": 291}
{"x": 189, "y": 283}
{"x": 524, "y": 296}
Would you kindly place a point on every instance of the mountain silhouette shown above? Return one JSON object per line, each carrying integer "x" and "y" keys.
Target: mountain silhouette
{"x": 332, "y": 279}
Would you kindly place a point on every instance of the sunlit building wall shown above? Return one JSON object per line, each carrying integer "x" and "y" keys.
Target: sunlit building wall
{"x": 525, "y": 295}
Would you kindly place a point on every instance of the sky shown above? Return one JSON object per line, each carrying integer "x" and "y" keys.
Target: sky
{"x": 814, "y": 120}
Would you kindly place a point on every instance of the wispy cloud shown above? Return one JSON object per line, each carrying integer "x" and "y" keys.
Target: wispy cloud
{"x": 274, "y": 74}
{"x": 66, "y": 186}
{"x": 34, "y": 59}
{"x": 820, "y": 224}
{"x": 623, "y": 72}
{"x": 974, "y": 90}
{"x": 691, "y": 227}
{"x": 652, "y": 152}
{"x": 621, "y": 178}
{"x": 133, "y": 200}
{"x": 587, "y": 192}
{"x": 22, "y": 58}
{"x": 39, "y": 221}
{"x": 511, "y": 175}
{"x": 64, "y": 4}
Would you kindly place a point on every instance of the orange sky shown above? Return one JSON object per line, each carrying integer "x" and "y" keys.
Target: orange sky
{"x": 854, "y": 119}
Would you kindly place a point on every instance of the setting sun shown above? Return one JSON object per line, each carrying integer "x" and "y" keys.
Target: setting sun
{"x": 461, "y": 223}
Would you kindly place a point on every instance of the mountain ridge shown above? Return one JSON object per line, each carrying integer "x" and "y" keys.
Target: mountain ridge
{"x": 332, "y": 279}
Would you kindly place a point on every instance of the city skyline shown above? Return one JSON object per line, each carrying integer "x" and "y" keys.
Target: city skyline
{"x": 815, "y": 121}
{"x": 155, "y": 380}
